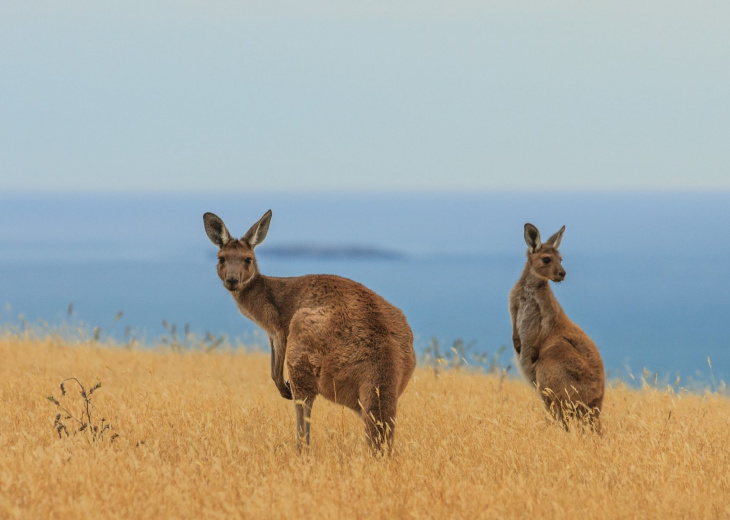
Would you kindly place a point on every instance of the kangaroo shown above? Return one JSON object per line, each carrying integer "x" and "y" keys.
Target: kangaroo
{"x": 337, "y": 338}
{"x": 554, "y": 353}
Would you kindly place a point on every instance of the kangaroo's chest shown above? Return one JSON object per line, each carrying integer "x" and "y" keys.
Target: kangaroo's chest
{"x": 534, "y": 321}
{"x": 529, "y": 320}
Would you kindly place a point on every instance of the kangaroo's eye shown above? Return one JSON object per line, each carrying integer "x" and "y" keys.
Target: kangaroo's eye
{"x": 546, "y": 260}
{"x": 221, "y": 260}
{"x": 247, "y": 261}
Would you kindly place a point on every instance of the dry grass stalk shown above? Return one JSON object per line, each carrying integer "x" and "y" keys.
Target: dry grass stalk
{"x": 84, "y": 419}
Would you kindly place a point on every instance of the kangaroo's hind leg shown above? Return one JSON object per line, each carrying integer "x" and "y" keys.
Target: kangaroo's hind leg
{"x": 591, "y": 415}
{"x": 379, "y": 405}
{"x": 564, "y": 385}
{"x": 557, "y": 388}
{"x": 303, "y": 408}
{"x": 303, "y": 380}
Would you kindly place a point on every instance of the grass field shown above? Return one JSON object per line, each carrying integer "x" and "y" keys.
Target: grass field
{"x": 206, "y": 435}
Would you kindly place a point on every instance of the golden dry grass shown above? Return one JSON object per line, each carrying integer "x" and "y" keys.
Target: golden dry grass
{"x": 207, "y": 436}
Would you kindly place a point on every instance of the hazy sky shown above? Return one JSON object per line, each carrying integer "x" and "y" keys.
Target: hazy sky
{"x": 323, "y": 95}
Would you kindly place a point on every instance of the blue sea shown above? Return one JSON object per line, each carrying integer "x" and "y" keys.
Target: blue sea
{"x": 647, "y": 273}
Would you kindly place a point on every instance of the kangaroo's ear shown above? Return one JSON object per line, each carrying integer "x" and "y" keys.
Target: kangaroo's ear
{"x": 257, "y": 233}
{"x": 216, "y": 229}
{"x": 556, "y": 238}
{"x": 532, "y": 238}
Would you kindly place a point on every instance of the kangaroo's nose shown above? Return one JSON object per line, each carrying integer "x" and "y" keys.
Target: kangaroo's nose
{"x": 231, "y": 281}
{"x": 562, "y": 273}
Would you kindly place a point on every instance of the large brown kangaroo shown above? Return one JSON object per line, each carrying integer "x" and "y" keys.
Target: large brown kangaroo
{"x": 553, "y": 352}
{"x": 337, "y": 337}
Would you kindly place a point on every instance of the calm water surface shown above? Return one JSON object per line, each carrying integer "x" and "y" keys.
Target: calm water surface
{"x": 648, "y": 273}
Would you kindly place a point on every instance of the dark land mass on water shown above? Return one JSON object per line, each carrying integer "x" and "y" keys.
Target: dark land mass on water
{"x": 331, "y": 252}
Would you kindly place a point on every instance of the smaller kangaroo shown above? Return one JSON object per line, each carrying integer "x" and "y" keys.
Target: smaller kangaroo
{"x": 337, "y": 337}
{"x": 553, "y": 352}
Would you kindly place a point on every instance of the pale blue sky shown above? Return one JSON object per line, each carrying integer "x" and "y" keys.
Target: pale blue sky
{"x": 323, "y": 95}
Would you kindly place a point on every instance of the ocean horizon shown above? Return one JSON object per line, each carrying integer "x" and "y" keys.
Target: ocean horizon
{"x": 647, "y": 272}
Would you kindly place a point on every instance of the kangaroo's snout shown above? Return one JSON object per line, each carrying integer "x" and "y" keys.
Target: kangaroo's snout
{"x": 560, "y": 275}
{"x": 231, "y": 282}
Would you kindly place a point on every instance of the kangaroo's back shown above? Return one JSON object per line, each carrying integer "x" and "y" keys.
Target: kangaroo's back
{"x": 353, "y": 335}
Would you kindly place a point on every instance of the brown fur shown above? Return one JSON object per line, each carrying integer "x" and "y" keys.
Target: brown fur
{"x": 338, "y": 338}
{"x": 553, "y": 352}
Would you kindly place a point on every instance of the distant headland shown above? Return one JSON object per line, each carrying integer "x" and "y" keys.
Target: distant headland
{"x": 330, "y": 252}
